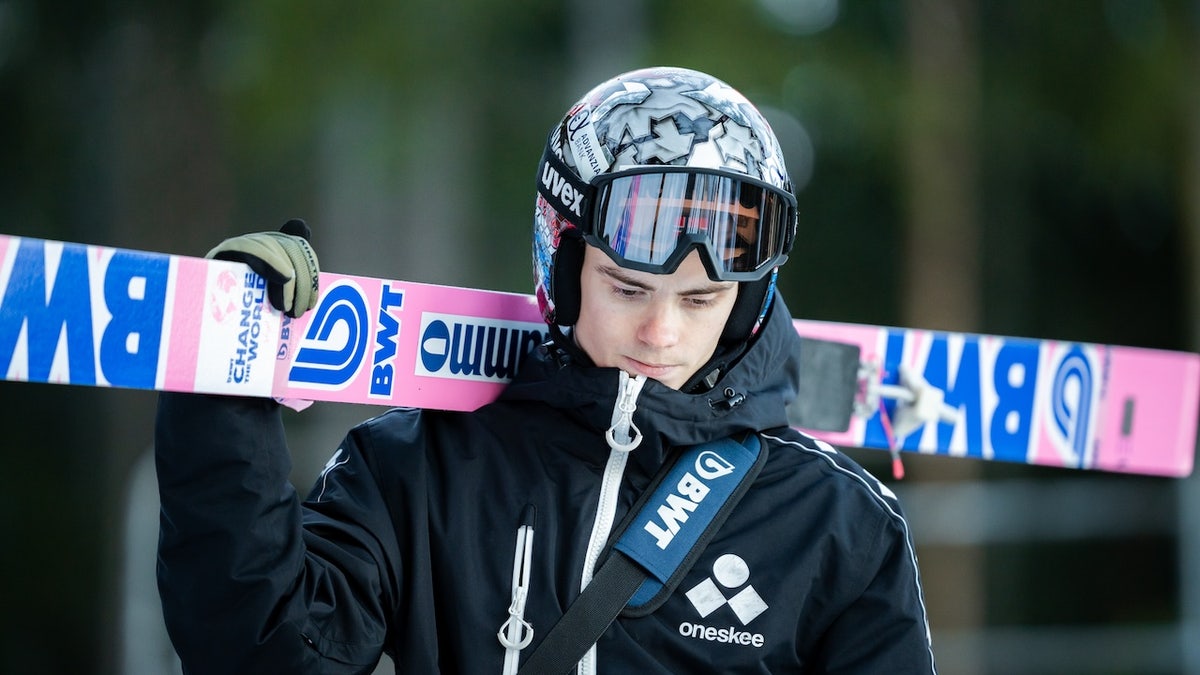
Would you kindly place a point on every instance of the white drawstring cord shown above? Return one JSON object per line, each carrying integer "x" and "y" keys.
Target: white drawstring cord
{"x": 516, "y": 633}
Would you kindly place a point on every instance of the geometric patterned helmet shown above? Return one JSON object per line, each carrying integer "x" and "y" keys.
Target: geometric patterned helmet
{"x": 652, "y": 165}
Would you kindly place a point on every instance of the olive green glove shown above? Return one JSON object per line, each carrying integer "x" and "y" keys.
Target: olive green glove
{"x": 284, "y": 258}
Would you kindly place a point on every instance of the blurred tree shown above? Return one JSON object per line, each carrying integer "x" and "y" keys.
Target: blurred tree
{"x": 408, "y": 133}
{"x": 942, "y": 277}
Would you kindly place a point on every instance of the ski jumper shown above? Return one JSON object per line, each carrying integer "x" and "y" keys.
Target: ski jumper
{"x": 408, "y": 542}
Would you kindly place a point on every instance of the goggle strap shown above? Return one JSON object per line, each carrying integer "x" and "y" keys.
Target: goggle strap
{"x": 570, "y": 196}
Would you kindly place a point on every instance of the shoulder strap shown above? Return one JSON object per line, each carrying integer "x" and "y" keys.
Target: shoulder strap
{"x": 691, "y": 501}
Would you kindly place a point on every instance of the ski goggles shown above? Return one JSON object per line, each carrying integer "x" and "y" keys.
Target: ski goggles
{"x": 650, "y": 218}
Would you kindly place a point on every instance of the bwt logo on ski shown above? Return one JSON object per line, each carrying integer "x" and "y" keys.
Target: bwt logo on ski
{"x": 1072, "y": 398}
{"x": 383, "y": 369}
{"x": 334, "y": 348}
{"x": 999, "y": 386}
{"x": 285, "y": 334}
{"x": 82, "y": 315}
{"x": 250, "y": 309}
{"x": 690, "y": 491}
{"x": 474, "y": 348}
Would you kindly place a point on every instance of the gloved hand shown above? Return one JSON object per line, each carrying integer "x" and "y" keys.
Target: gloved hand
{"x": 284, "y": 258}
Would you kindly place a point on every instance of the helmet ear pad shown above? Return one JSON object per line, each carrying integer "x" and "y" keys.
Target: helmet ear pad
{"x": 749, "y": 306}
{"x": 565, "y": 280}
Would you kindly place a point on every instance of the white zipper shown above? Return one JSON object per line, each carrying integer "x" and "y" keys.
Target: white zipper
{"x": 516, "y": 633}
{"x": 622, "y": 436}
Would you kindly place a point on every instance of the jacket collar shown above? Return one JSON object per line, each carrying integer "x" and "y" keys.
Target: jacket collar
{"x": 751, "y": 394}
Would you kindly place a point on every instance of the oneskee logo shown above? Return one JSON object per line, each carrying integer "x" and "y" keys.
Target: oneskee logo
{"x": 729, "y": 573}
{"x": 474, "y": 348}
{"x": 332, "y": 349}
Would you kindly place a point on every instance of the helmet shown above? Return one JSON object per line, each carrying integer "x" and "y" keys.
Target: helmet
{"x": 651, "y": 165}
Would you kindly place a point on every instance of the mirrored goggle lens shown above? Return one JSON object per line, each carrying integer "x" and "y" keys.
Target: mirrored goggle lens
{"x": 653, "y": 219}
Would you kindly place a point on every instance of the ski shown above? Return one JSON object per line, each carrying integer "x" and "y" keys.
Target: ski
{"x": 98, "y": 316}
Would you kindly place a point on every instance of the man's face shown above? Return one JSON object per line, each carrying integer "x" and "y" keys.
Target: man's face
{"x": 663, "y": 326}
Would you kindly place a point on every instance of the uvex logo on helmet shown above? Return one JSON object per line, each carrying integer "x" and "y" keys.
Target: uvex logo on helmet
{"x": 563, "y": 193}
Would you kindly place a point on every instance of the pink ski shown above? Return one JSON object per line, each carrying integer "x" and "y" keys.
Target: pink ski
{"x": 97, "y": 316}
{"x": 1081, "y": 405}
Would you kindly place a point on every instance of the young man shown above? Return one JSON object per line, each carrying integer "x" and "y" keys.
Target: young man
{"x": 663, "y": 213}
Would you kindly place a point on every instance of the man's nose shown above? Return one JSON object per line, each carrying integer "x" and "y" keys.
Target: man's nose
{"x": 661, "y": 325}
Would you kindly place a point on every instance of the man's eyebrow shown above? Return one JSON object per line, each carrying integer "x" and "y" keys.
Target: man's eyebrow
{"x": 617, "y": 274}
{"x": 711, "y": 288}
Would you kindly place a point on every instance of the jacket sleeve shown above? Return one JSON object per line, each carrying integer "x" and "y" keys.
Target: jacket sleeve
{"x": 885, "y": 627}
{"x": 251, "y": 581}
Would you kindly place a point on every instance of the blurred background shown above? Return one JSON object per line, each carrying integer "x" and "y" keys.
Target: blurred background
{"x": 1008, "y": 166}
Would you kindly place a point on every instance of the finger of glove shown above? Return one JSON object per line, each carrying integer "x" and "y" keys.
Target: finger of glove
{"x": 297, "y": 228}
{"x": 305, "y": 285}
{"x": 265, "y": 254}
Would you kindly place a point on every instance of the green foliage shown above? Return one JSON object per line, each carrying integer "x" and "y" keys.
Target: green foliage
{"x": 170, "y": 124}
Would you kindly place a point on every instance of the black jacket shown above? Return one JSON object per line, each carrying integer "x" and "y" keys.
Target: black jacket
{"x": 406, "y": 542}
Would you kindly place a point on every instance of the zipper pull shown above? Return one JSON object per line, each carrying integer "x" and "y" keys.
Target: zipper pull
{"x": 622, "y": 420}
{"x": 516, "y": 633}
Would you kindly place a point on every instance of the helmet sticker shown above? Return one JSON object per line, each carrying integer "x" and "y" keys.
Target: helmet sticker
{"x": 589, "y": 154}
